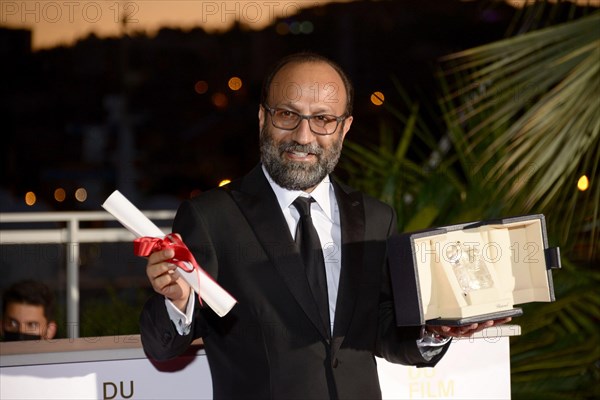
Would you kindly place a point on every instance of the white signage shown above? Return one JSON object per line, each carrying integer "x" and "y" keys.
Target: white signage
{"x": 471, "y": 369}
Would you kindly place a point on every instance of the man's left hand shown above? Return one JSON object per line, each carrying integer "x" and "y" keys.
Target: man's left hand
{"x": 465, "y": 330}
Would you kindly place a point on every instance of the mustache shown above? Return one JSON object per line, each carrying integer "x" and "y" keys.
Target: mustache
{"x": 312, "y": 148}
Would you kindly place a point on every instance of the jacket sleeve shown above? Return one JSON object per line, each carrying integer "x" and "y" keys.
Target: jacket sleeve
{"x": 398, "y": 344}
{"x": 160, "y": 338}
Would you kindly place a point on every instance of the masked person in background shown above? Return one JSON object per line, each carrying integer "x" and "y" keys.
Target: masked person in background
{"x": 28, "y": 312}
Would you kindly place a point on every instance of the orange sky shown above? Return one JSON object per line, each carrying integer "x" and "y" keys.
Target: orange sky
{"x": 56, "y": 22}
{"x": 64, "y": 21}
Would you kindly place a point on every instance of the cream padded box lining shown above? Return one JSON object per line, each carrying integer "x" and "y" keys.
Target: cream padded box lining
{"x": 514, "y": 255}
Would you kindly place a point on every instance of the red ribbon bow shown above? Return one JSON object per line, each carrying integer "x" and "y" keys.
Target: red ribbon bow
{"x": 144, "y": 246}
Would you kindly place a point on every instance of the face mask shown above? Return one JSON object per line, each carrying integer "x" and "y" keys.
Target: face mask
{"x": 16, "y": 336}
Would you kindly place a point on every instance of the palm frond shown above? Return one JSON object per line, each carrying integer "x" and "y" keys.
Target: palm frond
{"x": 527, "y": 106}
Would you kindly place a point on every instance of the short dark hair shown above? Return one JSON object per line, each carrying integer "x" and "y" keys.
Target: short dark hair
{"x": 308, "y": 57}
{"x": 30, "y": 292}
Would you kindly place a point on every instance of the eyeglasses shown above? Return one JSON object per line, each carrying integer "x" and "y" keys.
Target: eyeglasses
{"x": 319, "y": 124}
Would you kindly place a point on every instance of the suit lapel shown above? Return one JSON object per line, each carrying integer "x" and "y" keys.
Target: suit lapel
{"x": 352, "y": 219}
{"x": 258, "y": 203}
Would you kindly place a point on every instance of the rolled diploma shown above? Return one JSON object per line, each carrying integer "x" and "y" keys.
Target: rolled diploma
{"x": 137, "y": 223}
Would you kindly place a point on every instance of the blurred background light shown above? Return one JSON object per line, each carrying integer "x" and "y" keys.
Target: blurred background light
{"x": 81, "y": 195}
{"x": 201, "y": 87}
{"x": 234, "y": 83}
{"x": 295, "y": 27}
{"x": 306, "y": 27}
{"x": 583, "y": 183}
{"x": 30, "y": 198}
{"x": 282, "y": 28}
{"x": 377, "y": 98}
{"x": 219, "y": 100}
{"x": 60, "y": 195}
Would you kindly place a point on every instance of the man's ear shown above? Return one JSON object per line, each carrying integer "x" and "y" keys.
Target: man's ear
{"x": 346, "y": 127}
{"x": 51, "y": 329}
{"x": 261, "y": 118}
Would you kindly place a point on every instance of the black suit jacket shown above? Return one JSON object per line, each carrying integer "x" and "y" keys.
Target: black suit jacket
{"x": 272, "y": 344}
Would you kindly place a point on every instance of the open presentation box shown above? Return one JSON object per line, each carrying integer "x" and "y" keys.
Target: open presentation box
{"x": 474, "y": 272}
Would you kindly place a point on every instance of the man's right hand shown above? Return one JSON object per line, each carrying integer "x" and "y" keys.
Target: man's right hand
{"x": 166, "y": 280}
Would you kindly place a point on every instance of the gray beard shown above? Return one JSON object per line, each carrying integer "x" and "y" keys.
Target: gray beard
{"x": 293, "y": 175}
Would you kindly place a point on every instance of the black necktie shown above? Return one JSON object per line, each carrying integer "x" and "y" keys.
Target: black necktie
{"x": 308, "y": 242}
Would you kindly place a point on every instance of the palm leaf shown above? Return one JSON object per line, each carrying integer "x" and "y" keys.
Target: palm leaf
{"x": 523, "y": 112}
{"x": 527, "y": 106}
{"x": 521, "y": 117}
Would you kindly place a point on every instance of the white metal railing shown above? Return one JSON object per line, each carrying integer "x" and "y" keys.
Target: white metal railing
{"x": 71, "y": 235}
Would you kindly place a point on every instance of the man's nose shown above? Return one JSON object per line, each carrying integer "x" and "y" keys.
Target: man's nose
{"x": 303, "y": 134}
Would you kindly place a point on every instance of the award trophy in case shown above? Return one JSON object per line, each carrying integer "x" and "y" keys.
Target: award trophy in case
{"x": 474, "y": 272}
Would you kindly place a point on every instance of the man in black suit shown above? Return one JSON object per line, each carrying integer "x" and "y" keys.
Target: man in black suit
{"x": 281, "y": 341}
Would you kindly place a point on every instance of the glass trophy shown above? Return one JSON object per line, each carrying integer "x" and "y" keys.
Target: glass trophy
{"x": 469, "y": 267}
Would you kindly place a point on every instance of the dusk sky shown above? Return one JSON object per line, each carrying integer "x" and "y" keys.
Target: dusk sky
{"x": 62, "y": 22}
{"x": 65, "y": 21}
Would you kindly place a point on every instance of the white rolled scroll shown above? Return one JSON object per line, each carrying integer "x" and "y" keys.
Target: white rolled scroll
{"x": 217, "y": 298}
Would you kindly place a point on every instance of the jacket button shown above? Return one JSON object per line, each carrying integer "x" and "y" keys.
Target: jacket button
{"x": 166, "y": 337}
{"x": 334, "y": 363}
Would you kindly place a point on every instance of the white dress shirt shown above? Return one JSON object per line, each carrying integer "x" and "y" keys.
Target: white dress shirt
{"x": 326, "y": 219}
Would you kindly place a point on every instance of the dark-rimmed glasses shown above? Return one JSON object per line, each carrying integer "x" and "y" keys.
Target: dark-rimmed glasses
{"x": 319, "y": 124}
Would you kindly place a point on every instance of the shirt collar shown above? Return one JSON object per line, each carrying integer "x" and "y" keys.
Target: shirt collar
{"x": 322, "y": 194}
